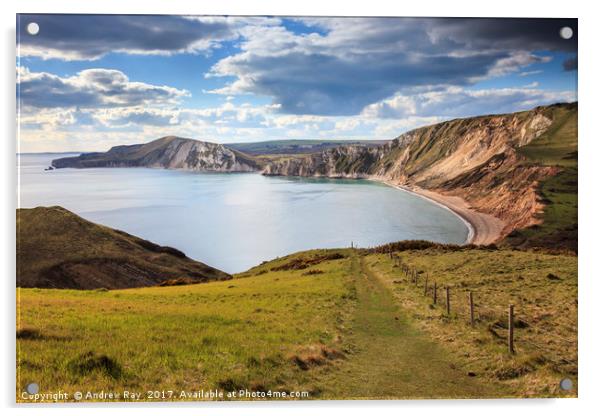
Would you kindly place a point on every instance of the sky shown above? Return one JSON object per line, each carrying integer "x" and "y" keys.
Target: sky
{"x": 89, "y": 82}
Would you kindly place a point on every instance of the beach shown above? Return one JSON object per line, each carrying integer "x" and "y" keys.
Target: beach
{"x": 483, "y": 228}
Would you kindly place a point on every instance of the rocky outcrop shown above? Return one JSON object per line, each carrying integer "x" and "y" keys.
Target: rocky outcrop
{"x": 477, "y": 159}
{"x": 168, "y": 153}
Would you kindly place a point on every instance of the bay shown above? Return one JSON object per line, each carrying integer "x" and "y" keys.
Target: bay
{"x": 234, "y": 221}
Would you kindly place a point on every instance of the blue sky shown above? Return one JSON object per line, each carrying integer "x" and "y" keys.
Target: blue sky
{"x": 90, "y": 82}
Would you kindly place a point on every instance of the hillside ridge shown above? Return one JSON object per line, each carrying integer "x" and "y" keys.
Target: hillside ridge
{"x": 170, "y": 152}
{"x": 59, "y": 249}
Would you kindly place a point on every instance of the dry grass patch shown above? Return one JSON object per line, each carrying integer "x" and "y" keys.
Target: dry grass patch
{"x": 310, "y": 356}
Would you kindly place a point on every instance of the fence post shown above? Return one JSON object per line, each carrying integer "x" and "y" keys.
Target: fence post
{"x": 416, "y": 281}
{"x": 511, "y": 329}
{"x": 435, "y": 293}
{"x": 426, "y": 282}
{"x": 447, "y": 300}
{"x": 470, "y": 300}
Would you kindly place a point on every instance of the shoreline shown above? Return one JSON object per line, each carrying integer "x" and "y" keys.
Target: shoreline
{"x": 483, "y": 228}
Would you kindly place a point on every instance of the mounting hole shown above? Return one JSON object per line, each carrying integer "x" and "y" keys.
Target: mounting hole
{"x": 32, "y": 388}
{"x": 33, "y": 28}
{"x": 566, "y": 384}
{"x": 566, "y": 33}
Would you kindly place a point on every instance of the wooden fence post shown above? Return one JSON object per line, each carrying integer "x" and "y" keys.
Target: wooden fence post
{"x": 435, "y": 293}
{"x": 470, "y": 300}
{"x": 511, "y": 329}
{"x": 426, "y": 282}
{"x": 447, "y": 300}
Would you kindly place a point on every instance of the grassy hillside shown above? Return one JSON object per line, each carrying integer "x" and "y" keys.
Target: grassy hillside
{"x": 332, "y": 323}
{"x": 258, "y": 332}
{"x": 58, "y": 249}
{"x": 556, "y": 147}
{"x": 542, "y": 288}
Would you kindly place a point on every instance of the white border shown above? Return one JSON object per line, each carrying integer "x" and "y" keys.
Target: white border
{"x": 590, "y": 143}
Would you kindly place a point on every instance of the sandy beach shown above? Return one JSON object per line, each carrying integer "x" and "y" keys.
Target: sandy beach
{"x": 484, "y": 228}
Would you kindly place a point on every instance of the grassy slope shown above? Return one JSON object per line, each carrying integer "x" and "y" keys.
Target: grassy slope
{"x": 542, "y": 287}
{"x": 391, "y": 358}
{"x": 57, "y": 248}
{"x": 336, "y": 332}
{"x": 227, "y": 335}
{"x": 557, "y": 147}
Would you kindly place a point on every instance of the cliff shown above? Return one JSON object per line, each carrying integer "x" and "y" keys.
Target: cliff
{"x": 478, "y": 159}
{"x": 168, "y": 153}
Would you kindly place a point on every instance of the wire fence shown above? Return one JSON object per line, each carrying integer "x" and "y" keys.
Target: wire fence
{"x": 504, "y": 322}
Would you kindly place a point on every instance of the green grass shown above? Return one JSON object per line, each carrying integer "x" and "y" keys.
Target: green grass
{"x": 556, "y": 147}
{"x": 558, "y": 228}
{"x": 543, "y": 288}
{"x": 244, "y": 333}
{"x": 327, "y": 322}
{"x": 391, "y": 358}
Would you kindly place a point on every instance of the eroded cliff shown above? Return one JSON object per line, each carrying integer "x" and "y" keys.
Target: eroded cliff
{"x": 477, "y": 159}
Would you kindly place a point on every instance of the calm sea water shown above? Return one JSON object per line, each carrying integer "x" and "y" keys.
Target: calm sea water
{"x": 235, "y": 221}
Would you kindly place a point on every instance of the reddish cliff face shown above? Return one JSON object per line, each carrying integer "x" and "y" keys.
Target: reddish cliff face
{"x": 477, "y": 159}
{"x": 504, "y": 188}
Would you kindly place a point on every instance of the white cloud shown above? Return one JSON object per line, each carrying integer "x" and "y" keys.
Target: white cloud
{"x": 90, "y": 88}
{"x": 448, "y": 102}
{"x": 349, "y": 63}
{"x": 515, "y": 62}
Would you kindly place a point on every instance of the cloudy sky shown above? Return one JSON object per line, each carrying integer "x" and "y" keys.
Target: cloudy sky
{"x": 88, "y": 82}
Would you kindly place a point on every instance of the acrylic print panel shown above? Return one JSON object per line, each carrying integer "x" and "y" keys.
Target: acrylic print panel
{"x": 290, "y": 208}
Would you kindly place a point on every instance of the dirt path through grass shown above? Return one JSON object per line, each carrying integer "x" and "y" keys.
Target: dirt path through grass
{"x": 391, "y": 358}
